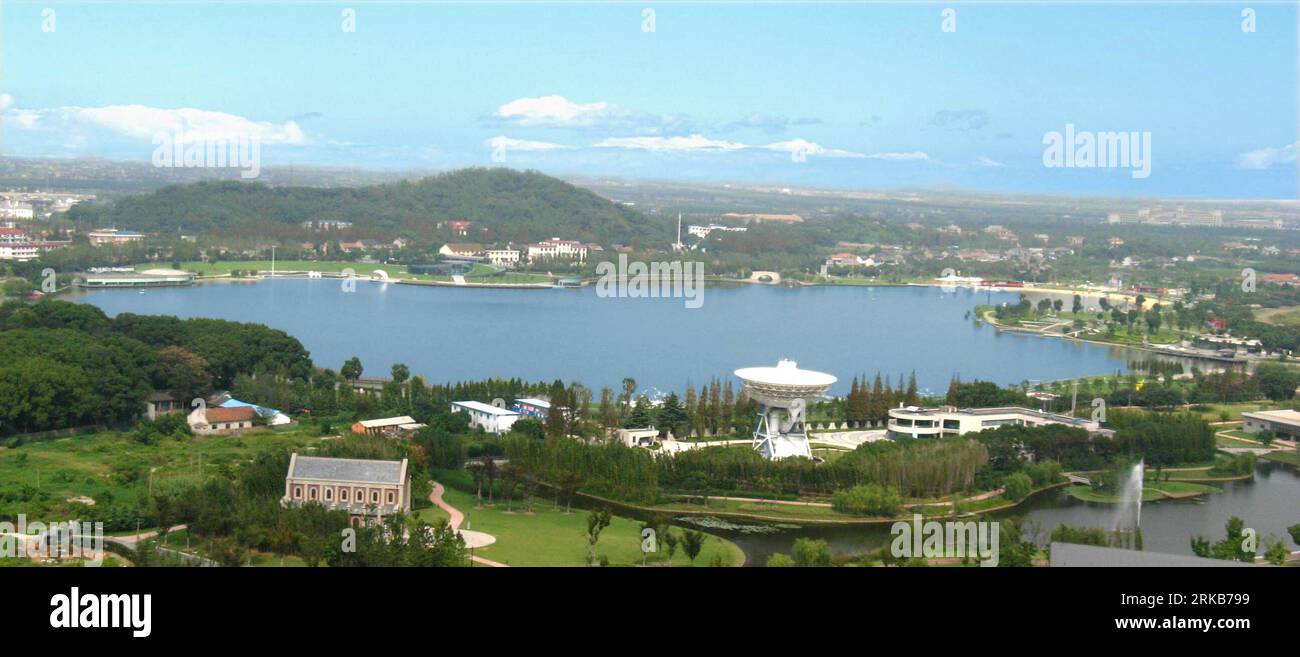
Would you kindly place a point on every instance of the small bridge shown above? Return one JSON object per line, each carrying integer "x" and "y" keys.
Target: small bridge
{"x": 1078, "y": 479}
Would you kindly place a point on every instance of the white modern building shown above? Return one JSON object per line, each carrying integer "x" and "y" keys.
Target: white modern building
{"x": 914, "y": 422}
{"x": 493, "y": 419}
{"x": 557, "y": 249}
{"x": 638, "y": 437}
{"x": 532, "y": 407}
{"x": 1284, "y": 423}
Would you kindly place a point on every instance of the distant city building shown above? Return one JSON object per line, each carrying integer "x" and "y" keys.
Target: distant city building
{"x": 326, "y": 224}
{"x": 532, "y": 407}
{"x": 113, "y": 236}
{"x": 367, "y": 489}
{"x": 492, "y": 419}
{"x": 461, "y": 250}
{"x": 914, "y": 422}
{"x": 703, "y": 231}
{"x": 761, "y": 217}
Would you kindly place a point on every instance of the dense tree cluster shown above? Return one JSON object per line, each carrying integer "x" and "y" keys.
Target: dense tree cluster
{"x": 66, "y": 365}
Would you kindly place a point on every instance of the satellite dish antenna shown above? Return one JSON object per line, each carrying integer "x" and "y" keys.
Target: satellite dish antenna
{"x": 783, "y": 392}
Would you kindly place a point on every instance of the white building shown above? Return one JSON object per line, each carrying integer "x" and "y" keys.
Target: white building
{"x": 638, "y": 437}
{"x": 503, "y": 257}
{"x": 557, "y": 249}
{"x": 916, "y": 422}
{"x": 493, "y": 419}
{"x": 703, "y": 231}
{"x": 1284, "y": 423}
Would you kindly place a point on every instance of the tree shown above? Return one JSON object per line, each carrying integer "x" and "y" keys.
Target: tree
{"x": 401, "y": 373}
{"x": 692, "y": 543}
{"x": 597, "y": 521}
{"x": 1276, "y": 381}
{"x": 672, "y": 416}
{"x": 779, "y": 560}
{"x": 810, "y": 552}
{"x": 1017, "y": 486}
{"x": 569, "y": 484}
{"x": 182, "y": 372}
{"x": 671, "y": 541}
{"x": 1076, "y": 306}
{"x": 511, "y": 475}
{"x": 351, "y": 369}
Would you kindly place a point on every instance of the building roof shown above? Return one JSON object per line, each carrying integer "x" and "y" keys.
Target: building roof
{"x": 387, "y": 422}
{"x": 484, "y": 408}
{"x": 1285, "y": 416}
{"x": 532, "y": 401}
{"x": 1070, "y": 555}
{"x": 351, "y": 470}
{"x": 219, "y": 414}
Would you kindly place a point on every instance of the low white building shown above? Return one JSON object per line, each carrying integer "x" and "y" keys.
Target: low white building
{"x": 493, "y": 419}
{"x": 503, "y": 257}
{"x": 913, "y": 422}
{"x": 1284, "y": 423}
{"x": 639, "y": 437}
{"x": 206, "y": 421}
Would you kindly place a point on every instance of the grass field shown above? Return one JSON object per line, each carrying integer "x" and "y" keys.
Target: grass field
{"x": 111, "y": 467}
{"x": 550, "y": 537}
{"x": 1151, "y": 491}
{"x": 1290, "y": 458}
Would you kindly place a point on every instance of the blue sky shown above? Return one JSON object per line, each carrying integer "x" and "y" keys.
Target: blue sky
{"x": 864, "y": 96}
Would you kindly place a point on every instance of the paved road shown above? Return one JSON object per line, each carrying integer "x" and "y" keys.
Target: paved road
{"x": 472, "y": 538}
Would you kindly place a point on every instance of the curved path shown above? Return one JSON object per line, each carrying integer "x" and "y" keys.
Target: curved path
{"x": 472, "y": 538}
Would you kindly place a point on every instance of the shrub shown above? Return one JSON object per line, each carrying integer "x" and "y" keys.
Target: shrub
{"x": 1017, "y": 486}
{"x": 867, "y": 500}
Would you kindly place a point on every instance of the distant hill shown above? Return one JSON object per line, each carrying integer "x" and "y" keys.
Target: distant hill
{"x": 504, "y": 204}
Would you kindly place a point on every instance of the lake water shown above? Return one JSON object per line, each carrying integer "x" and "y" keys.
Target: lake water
{"x": 449, "y": 334}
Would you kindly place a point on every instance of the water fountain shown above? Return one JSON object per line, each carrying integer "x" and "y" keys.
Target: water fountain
{"x": 1130, "y": 498}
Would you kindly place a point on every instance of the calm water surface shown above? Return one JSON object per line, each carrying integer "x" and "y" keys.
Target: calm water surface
{"x": 449, "y": 334}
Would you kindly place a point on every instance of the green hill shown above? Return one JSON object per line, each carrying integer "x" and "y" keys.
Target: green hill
{"x": 504, "y": 204}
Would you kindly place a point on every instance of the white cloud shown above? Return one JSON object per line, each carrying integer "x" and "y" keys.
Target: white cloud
{"x": 554, "y": 111}
{"x": 141, "y": 122}
{"x": 502, "y": 142}
{"x": 1265, "y": 158}
{"x": 809, "y": 148}
{"x": 693, "y": 143}
{"x": 986, "y": 161}
{"x": 908, "y": 156}
{"x": 559, "y": 112}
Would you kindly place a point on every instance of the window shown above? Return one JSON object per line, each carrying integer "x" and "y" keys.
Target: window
{"x": 297, "y": 492}
{"x": 360, "y": 495}
{"x": 311, "y": 493}
{"x": 329, "y": 494}
{"x": 343, "y": 494}
{"x": 374, "y": 496}
{"x": 390, "y": 497}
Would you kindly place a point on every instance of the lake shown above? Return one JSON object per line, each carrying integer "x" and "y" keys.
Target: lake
{"x": 450, "y": 334}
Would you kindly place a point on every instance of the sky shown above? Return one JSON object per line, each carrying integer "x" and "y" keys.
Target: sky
{"x": 844, "y": 95}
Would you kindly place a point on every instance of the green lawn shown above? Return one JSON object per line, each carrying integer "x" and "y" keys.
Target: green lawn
{"x": 1291, "y": 458}
{"x": 1151, "y": 491}
{"x": 110, "y": 467}
{"x": 550, "y": 537}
